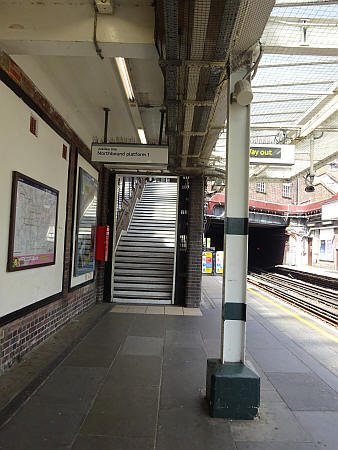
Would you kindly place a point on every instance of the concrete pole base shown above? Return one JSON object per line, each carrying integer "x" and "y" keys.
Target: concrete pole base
{"x": 233, "y": 390}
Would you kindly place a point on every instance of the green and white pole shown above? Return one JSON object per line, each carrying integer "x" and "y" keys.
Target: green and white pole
{"x": 232, "y": 388}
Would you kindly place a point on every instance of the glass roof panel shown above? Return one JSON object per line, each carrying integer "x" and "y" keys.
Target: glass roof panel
{"x": 298, "y": 72}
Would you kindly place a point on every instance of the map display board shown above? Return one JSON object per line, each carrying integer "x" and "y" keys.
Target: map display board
{"x": 32, "y": 234}
{"x": 86, "y": 224}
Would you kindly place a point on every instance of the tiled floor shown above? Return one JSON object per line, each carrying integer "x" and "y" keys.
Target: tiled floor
{"x": 164, "y": 310}
{"x": 136, "y": 381}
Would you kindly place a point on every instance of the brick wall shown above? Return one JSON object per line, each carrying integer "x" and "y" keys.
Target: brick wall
{"x": 22, "y": 335}
{"x": 194, "y": 249}
{"x": 273, "y": 193}
{"x": 25, "y": 332}
{"x": 320, "y": 193}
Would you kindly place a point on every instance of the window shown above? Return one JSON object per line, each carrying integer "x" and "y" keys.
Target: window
{"x": 260, "y": 187}
{"x": 33, "y": 126}
{"x": 286, "y": 190}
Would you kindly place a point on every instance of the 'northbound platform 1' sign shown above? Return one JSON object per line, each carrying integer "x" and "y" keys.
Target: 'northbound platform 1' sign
{"x": 131, "y": 155}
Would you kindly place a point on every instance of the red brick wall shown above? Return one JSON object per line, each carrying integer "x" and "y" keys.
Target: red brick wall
{"x": 27, "y": 331}
{"x": 22, "y": 335}
{"x": 320, "y": 193}
{"x": 273, "y": 193}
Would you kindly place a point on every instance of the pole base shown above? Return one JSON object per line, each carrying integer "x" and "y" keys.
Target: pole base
{"x": 233, "y": 390}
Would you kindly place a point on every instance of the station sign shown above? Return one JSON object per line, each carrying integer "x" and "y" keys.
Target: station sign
{"x": 219, "y": 261}
{"x": 282, "y": 155}
{"x": 139, "y": 156}
{"x": 207, "y": 262}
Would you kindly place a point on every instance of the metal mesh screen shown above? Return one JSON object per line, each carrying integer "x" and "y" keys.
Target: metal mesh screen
{"x": 295, "y": 89}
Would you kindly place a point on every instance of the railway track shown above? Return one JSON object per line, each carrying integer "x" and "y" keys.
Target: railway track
{"x": 316, "y": 300}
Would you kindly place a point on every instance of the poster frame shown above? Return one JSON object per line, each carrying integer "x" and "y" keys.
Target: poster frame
{"x": 15, "y": 178}
{"x": 75, "y": 269}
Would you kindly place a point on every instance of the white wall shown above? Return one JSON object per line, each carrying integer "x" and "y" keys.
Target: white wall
{"x": 76, "y": 281}
{"x": 39, "y": 158}
{"x": 330, "y": 210}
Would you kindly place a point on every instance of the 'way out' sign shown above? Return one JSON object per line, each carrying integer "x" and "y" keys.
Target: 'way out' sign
{"x": 272, "y": 154}
{"x": 140, "y": 156}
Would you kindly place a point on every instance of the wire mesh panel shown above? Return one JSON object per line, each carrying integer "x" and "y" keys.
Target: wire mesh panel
{"x": 297, "y": 78}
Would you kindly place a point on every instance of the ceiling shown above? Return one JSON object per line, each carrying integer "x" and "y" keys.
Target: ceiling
{"x": 178, "y": 55}
{"x": 295, "y": 88}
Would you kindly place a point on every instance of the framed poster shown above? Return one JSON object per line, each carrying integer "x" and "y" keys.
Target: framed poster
{"x": 32, "y": 232}
{"x": 85, "y": 224}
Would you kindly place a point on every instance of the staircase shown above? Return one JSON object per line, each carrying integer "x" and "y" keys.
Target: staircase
{"x": 144, "y": 258}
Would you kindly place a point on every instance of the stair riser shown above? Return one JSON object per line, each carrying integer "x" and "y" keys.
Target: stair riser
{"x": 144, "y": 280}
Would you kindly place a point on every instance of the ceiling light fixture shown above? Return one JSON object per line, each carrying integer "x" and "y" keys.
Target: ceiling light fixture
{"x": 121, "y": 64}
{"x": 142, "y": 135}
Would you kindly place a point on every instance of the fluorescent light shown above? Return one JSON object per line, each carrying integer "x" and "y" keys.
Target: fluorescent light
{"x": 142, "y": 135}
{"x": 121, "y": 64}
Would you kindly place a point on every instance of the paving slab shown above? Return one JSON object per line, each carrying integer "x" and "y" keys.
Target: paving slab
{"x": 183, "y": 323}
{"x": 182, "y": 382}
{"x": 87, "y": 442}
{"x": 275, "y": 446}
{"x": 126, "y": 412}
{"x": 304, "y": 392}
{"x": 146, "y": 325}
{"x": 184, "y": 339}
{"x": 174, "y": 354}
{"x": 142, "y": 346}
{"x": 155, "y": 310}
{"x": 134, "y": 371}
{"x": 275, "y": 423}
{"x": 188, "y": 428}
{"x": 42, "y": 426}
{"x": 271, "y": 360}
{"x": 60, "y": 389}
{"x": 322, "y": 426}
{"x": 89, "y": 354}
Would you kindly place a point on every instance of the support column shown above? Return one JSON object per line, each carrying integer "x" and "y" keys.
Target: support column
{"x": 233, "y": 388}
{"x": 194, "y": 238}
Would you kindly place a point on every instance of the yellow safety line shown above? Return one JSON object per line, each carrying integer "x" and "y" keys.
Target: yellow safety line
{"x": 311, "y": 325}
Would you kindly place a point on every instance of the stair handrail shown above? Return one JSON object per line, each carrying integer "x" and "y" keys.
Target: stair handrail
{"x": 128, "y": 206}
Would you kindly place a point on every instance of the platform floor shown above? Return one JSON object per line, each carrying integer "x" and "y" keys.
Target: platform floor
{"x": 136, "y": 381}
{"x": 313, "y": 269}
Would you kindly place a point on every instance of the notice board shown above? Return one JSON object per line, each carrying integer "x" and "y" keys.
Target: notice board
{"x": 32, "y": 234}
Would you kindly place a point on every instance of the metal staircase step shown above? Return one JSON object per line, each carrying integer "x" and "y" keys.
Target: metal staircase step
{"x": 143, "y": 294}
{"x": 141, "y": 249}
{"x": 145, "y": 245}
{"x": 142, "y": 301}
{"x": 142, "y": 287}
{"x": 167, "y": 261}
{"x": 151, "y": 233}
{"x": 144, "y": 279}
{"x": 154, "y": 255}
{"x": 147, "y": 272}
{"x": 145, "y": 240}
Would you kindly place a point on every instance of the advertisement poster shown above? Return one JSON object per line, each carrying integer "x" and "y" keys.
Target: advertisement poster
{"x": 219, "y": 262}
{"x": 32, "y": 241}
{"x": 86, "y": 224}
{"x": 207, "y": 262}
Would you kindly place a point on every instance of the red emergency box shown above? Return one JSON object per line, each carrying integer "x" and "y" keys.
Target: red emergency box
{"x": 102, "y": 239}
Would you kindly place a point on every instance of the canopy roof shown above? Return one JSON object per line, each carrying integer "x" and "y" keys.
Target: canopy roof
{"x": 295, "y": 87}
